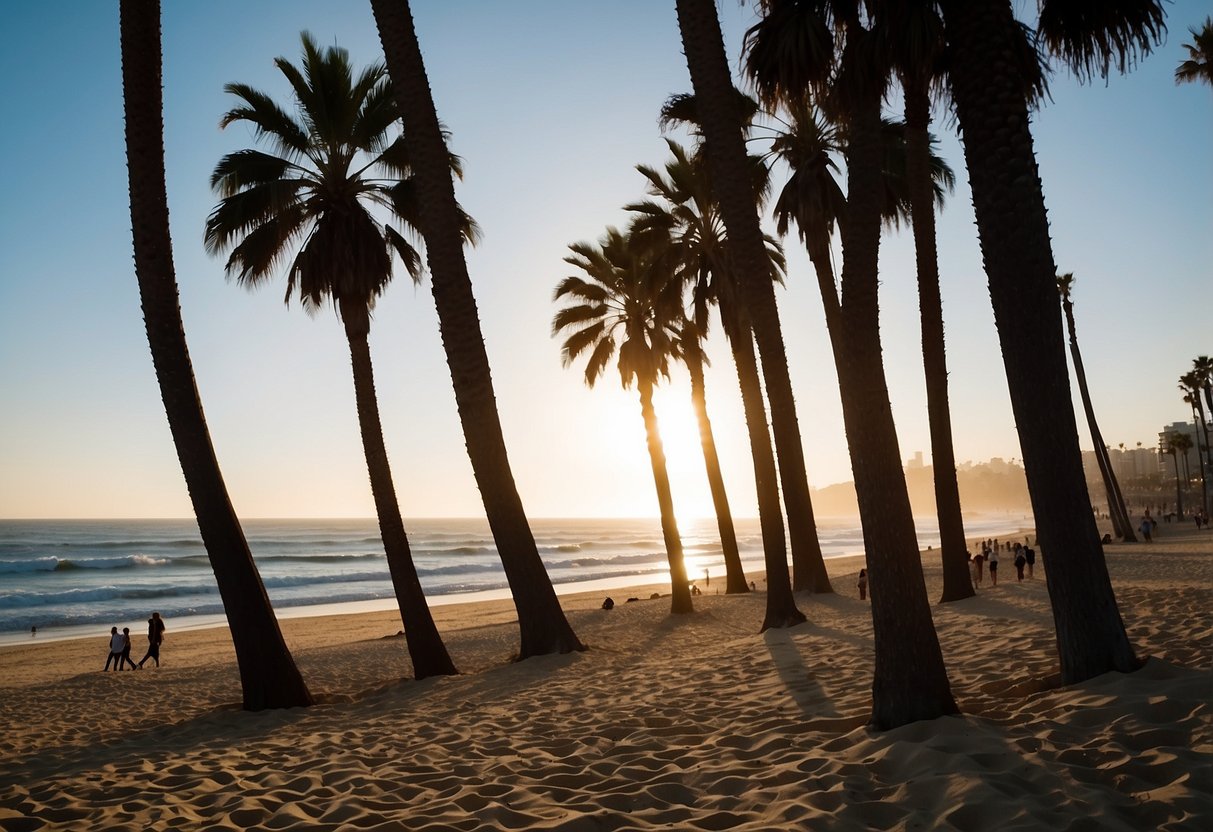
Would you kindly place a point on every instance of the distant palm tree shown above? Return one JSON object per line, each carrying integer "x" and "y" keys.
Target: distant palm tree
{"x": 542, "y": 624}
{"x": 269, "y": 677}
{"x": 629, "y": 304}
{"x": 1178, "y": 445}
{"x": 1122, "y": 526}
{"x": 1203, "y": 367}
{"x": 1199, "y": 64}
{"x": 686, "y": 217}
{"x": 331, "y": 164}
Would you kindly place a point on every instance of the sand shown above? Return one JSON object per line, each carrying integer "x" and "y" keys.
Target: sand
{"x": 695, "y": 722}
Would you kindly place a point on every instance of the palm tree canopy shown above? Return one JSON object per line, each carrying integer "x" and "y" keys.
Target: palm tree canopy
{"x": 1093, "y": 36}
{"x": 332, "y": 164}
{"x": 626, "y": 303}
{"x": 1065, "y": 283}
{"x": 1199, "y": 64}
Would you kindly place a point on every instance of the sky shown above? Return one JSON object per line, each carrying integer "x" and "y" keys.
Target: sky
{"x": 551, "y": 105}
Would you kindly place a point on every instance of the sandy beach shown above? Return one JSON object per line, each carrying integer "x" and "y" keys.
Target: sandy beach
{"x": 696, "y": 722}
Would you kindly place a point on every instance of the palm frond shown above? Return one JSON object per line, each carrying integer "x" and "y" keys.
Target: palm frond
{"x": 239, "y": 170}
{"x": 1093, "y": 36}
{"x": 269, "y": 121}
{"x": 407, "y": 253}
{"x": 242, "y": 212}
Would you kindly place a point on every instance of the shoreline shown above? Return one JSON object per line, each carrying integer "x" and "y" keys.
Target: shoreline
{"x": 695, "y": 721}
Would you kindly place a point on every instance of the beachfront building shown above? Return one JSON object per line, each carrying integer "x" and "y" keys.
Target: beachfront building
{"x": 1189, "y": 430}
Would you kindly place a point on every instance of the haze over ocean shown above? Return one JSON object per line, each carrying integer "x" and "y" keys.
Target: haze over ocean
{"x": 78, "y": 577}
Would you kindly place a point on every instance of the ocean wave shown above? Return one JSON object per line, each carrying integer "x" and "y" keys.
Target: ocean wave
{"x": 54, "y": 564}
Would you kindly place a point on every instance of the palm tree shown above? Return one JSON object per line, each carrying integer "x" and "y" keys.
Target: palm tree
{"x": 687, "y": 219}
{"x": 1116, "y": 501}
{"x": 629, "y": 304}
{"x": 315, "y": 191}
{"x": 689, "y": 349}
{"x": 791, "y": 54}
{"x": 1203, "y": 367}
{"x": 268, "y": 675}
{"x": 1178, "y": 445}
{"x": 808, "y": 564}
{"x": 1189, "y": 384}
{"x": 542, "y": 624}
{"x": 910, "y": 680}
{"x": 992, "y": 106}
{"x": 1199, "y": 64}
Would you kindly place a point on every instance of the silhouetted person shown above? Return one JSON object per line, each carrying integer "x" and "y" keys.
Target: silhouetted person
{"x": 155, "y": 636}
{"x": 1146, "y": 528}
{"x": 115, "y": 655}
{"x": 609, "y": 603}
{"x": 992, "y": 563}
{"x": 979, "y": 559}
{"x": 863, "y": 584}
{"x": 1020, "y": 562}
{"x": 126, "y": 659}
{"x": 1029, "y": 555}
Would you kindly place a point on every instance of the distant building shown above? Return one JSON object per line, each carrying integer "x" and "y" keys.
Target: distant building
{"x": 1187, "y": 429}
{"x": 1132, "y": 463}
{"x": 915, "y": 463}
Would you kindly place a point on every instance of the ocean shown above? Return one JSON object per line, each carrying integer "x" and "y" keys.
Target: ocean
{"x": 72, "y": 578}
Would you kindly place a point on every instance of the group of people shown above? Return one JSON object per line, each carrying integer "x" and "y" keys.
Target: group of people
{"x": 120, "y": 645}
{"x": 1024, "y": 556}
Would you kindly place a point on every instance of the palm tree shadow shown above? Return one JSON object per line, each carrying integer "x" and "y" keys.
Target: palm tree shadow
{"x": 803, "y": 687}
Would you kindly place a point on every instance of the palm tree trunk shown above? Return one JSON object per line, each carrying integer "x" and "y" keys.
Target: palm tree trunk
{"x": 957, "y": 580}
{"x": 911, "y": 682}
{"x": 1116, "y": 507}
{"x": 542, "y": 623}
{"x": 680, "y": 589}
{"x": 781, "y": 610}
{"x": 428, "y": 653}
{"x": 734, "y": 575}
{"x": 714, "y": 91}
{"x": 1014, "y": 233}
{"x": 1179, "y": 497}
{"x": 268, "y": 675}
{"x": 1198, "y": 415}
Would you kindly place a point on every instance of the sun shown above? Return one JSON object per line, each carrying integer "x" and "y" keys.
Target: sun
{"x": 684, "y": 455}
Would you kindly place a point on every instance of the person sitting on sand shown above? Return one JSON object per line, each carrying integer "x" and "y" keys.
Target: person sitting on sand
{"x": 863, "y": 584}
{"x": 155, "y": 636}
{"x": 115, "y": 655}
{"x": 609, "y": 603}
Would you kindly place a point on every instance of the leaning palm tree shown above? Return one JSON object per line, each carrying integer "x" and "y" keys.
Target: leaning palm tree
{"x": 268, "y": 675}
{"x": 628, "y": 303}
{"x": 689, "y": 349}
{"x": 992, "y": 109}
{"x": 311, "y": 199}
{"x": 1202, "y": 365}
{"x": 792, "y": 51}
{"x": 1199, "y": 64}
{"x": 686, "y": 218}
{"x": 1189, "y": 385}
{"x": 808, "y": 564}
{"x": 542, "y": 624}
{"x": 1121, "y": 524}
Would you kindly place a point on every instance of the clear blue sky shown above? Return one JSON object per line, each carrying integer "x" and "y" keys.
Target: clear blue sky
{"x": 551, "y": 105}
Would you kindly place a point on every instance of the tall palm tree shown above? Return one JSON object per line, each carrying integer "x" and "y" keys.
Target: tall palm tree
{"x": 315, "y": 191}
{"x": 910, "y": 680}
{"x": 992, "y": 109}
{"x": 757, "y": 292}
{"x": 1199, "y": 64}
{"x": 1189, "y": 384}
{"x": 1116, "y": 501}
{"x": 1178, "y": 445}
{"x": 268, "y": 675}
{"x": 808, "y": 564}
{"x": 689, "y": 349}
{"x": 1202, "y": 365}
{"x": 542, "y": 624}
{"x": 687, "y": 218}
{"x": 629, "y": 304}
{"x": 785, "y": 64}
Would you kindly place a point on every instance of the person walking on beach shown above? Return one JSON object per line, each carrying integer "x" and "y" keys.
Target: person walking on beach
{"x": 126, "y": 659}
{"x": 863, "y": 584}
{"x": 1029, "y": 554}
{"x": 155, "y": 636}
{"x": 979, "y": 560}
{"x": 1020, "y": 562}
{"x": 994, "y": 566}
{"x": 1146, "y": 528}
{"x": 115, "y": 655}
